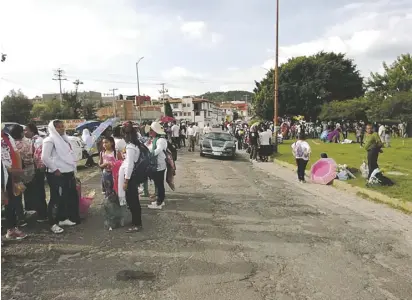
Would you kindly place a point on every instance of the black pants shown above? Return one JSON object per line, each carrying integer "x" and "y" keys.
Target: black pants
{"x": 132, "y": 199}
{"x": 159, "y": 181}
{"x": 253, "y": 152}
{"x": 10, "y": 208}
{"x": 182, "y": 140}
{"x": 301, "y": 163}
{"x": 176, "y": 142}
{"x": 239, "y": 143}
{"x": 38, "y": 195}
{"x": 373, "y": 155}
{"x": 64, "y": 200}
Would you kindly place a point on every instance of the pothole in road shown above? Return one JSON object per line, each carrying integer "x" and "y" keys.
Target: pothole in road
{"x": 128, "y": 275}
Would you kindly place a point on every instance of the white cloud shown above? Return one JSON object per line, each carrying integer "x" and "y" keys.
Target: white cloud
{"x": 198, "y": 30}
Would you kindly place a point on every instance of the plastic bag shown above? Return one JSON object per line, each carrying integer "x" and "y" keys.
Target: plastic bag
{"x": 84, "y": 205}
{"x": 364, "y": 170}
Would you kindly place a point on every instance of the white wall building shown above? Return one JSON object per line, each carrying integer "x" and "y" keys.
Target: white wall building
{"x": 197, "y": 110}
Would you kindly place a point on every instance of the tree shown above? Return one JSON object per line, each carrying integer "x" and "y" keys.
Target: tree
{"x": 228, "y": 96}
{"x": 168, "y": 109}
{"x": 88, "y": 110}
{"x": 354, "y": 109}
{"x": 306, "y": 83}
{"x": 48, "y": 110}
{"x": 16, "y": 107}
{"x": 397, "y": 106}
{"x": 72, "y": 106}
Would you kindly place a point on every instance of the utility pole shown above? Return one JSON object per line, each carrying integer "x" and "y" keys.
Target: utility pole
{"x": 76, "y": 83}
{"x": 59, "y": 75}
{"x": 138, "y": 88}
{"x": 276, "y": 79}
{"x": 114, "y": 101}
{"x": 163, "y": 91}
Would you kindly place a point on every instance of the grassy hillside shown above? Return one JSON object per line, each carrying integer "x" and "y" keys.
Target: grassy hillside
{"x": 228, "y": 96}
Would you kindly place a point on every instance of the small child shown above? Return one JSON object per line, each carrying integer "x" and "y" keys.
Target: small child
{"x": 301, "y": 151}
{"x": 114, "y": 216}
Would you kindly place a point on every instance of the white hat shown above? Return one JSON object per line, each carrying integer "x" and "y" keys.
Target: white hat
{"x": 156, "y": 127}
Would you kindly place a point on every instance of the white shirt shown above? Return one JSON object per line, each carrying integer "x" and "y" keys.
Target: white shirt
{"x": 120, "y": 144}
{"x": 161, "y": 147}
{"x": 301, "y": 149}
{"x": 175, "y": 130}
{"x": 381, "y": 130}
{"x": 132, "y": 155}
{"x": 206, "y": 130}
{"x": 190, "y": 131}
{"x": 265, "y": 137}
{"x": 51, "y": 159}
{"x": 196, "y": 129}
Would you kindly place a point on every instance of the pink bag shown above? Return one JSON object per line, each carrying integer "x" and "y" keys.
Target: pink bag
{"x": 84, "y": 206}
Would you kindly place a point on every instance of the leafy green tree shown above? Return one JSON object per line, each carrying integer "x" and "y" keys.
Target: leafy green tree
{"x": 72, "y": 105}
{"x": 308, "y": 82}
{"x": 16, "y": 107}
{"x": 168, "y": 109}
{"x": 88, "y": 110}
{"x": 354, "y": 109}
{"x": 397, "y": 106}
{"x": 48, "y": 110}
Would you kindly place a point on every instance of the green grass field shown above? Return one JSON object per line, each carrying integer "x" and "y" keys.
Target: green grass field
{"x": 396, "y": 158}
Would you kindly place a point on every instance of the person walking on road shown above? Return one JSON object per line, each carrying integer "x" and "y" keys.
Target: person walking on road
{"x": 176, "y": 135}
{"x": 207, "y": 129}
{"x": 197, "y": 129}
{"x": 158, "y": 147}
{"x": 254, "y": 143}
{"x": 301, "y": 151}
{"x": 373, "y": 145}
{"x": 191, "y": 136}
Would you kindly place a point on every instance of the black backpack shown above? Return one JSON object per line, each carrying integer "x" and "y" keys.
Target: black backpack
{"x": 145, "y": 166}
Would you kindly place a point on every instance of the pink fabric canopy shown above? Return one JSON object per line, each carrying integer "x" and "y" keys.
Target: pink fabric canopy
{"x": 323, "y": 171}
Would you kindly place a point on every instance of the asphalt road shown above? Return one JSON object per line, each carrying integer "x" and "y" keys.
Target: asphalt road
{"x": 231, "y": 230}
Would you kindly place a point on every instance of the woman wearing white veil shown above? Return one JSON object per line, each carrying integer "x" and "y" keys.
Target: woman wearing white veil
{"x": 60, "y": 161}
{"x": 87, "y": 140}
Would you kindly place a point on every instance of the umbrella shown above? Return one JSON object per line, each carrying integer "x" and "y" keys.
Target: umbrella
{"x": 166, "y": 119}
{"x": 97, "y": 133}
{"x": 323, "y": 171}
{"x": 87, "y": 124}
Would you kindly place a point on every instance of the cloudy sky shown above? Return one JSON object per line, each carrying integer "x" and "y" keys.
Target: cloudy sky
{"x": 192, "y": 46}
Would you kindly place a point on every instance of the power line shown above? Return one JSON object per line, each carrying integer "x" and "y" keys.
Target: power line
{"x": 76, "y": 83}
{"x": 59, "y": 75}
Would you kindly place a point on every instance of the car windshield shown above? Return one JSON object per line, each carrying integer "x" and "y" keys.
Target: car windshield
{"x": 219, "y": 136}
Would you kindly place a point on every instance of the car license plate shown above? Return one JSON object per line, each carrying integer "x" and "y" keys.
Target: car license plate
{"x": 216, "y": 153}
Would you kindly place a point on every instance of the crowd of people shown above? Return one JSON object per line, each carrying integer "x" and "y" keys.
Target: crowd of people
{"x": 28, "y": 161}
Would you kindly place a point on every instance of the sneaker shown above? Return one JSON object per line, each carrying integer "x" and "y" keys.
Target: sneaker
{"x": 155, "y": 206}
{"x": 155, "y": 203}
{"x": 29, "y": 213}
{"x": 66, "y": 223}
{"x": 56, "y": 229}
{"x": 15, "y": 234}
{"x": 42, "y": 220}
{"x": 21, "y": 223}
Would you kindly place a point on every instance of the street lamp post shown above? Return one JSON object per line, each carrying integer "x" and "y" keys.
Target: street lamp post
{"x": 276, "y": 80}
{"x": 138, "y": 88}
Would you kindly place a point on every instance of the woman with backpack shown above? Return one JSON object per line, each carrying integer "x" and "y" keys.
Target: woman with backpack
{"x": 158, "y": 148}
{"x": 301, "y": 151}
{"x": 61, "y": 164}
{"x": 127, "y": 185}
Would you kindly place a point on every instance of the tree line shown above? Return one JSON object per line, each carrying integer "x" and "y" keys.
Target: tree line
{"x": 329, "y": 86}
{"x": 17, "y": 107}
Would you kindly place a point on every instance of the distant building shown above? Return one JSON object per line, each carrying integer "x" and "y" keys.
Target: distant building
{"x": 198, "y": 110}
{"x": 241, "y": 107}
{"x": 89, "y": 96}
{"x": 127, "y": 110}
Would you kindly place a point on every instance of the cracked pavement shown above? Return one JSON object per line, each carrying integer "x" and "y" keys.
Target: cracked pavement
{"x": 231, "y": 230}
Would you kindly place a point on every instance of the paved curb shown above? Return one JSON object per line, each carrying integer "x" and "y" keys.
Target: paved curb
{"x": 372, "y": 195}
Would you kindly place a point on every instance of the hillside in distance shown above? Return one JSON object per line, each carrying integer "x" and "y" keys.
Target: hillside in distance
{"x": 228, "y": 96}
